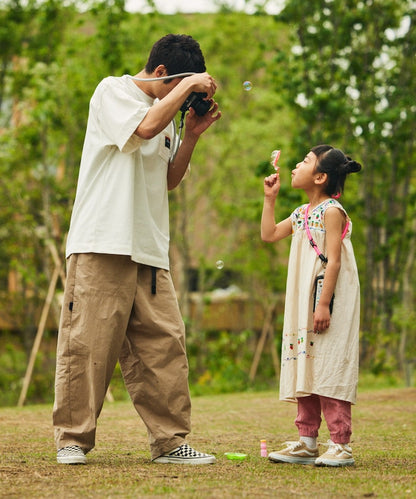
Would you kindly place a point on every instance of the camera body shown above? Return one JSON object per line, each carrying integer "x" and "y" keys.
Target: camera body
{"x": 197, "y": 102}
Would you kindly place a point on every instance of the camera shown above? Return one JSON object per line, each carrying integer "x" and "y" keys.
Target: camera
{"x": 196, "y": 101}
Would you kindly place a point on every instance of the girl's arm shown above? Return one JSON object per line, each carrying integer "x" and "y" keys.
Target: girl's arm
{"x": 270, "y": 231}
{"x": 334, "y": 224}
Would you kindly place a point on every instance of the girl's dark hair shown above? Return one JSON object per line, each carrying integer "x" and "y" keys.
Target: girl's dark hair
{"x": 336, "y": 165}
{"x": 178, "y": 53}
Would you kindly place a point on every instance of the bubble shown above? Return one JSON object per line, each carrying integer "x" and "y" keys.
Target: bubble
{"x": 274, "y": 158}
{"x": 247, "y": 85}
{"x": 219, "y": 264}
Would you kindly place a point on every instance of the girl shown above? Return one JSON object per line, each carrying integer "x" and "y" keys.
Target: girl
{"x": 319, "y": 368}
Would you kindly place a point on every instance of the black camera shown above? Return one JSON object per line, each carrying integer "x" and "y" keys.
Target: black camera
{"x": 196, "y": 100}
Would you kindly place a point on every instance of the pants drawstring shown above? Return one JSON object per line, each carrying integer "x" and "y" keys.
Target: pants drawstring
{"x": 154, "y": 270}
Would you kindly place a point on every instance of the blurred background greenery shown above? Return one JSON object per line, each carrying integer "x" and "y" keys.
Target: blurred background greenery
{"x": 323, "y": 71}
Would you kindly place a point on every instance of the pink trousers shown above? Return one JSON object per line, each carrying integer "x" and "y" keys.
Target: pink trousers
{"x": 337, "y": 414}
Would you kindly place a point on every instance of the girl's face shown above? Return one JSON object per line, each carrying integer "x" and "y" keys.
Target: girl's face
{"x": 304, "y": 174}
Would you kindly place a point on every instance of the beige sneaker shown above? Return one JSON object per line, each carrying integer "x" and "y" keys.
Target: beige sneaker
{"x": 295, "y": 452}
{"x": 336, "y": 455}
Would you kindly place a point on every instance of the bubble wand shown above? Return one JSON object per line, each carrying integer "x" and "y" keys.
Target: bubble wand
{"x": 275, "y": 158}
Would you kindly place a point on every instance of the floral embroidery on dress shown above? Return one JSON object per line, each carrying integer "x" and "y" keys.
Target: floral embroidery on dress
{"x": 288, "y": 346}
{"x": 309, "y": 359}
{"x": 315, "y": 218}
{"x": 295, "y": 357}
{"x": 302, "y": 342}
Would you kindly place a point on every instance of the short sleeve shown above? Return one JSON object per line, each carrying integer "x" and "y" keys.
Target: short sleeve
{"x": 118, "y": 113}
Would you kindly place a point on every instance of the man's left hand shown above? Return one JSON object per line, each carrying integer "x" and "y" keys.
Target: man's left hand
{"x": 196, "y": 125}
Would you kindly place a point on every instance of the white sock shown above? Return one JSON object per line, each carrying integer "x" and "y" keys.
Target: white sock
{"x": 309, "y": 441}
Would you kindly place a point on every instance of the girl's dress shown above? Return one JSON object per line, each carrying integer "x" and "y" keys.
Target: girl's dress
{"x": 327, "y": 363}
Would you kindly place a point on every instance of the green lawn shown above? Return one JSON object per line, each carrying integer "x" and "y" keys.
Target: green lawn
{"x": 384, "y": 445}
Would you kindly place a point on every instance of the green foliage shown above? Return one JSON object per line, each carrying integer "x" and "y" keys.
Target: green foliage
{"x": 109, "y": 18}
{"x": 13, "y": 361}
{"x": 322, "y": 71}
{"x": 349, "y": 75}
{"x": 219, "y": 362}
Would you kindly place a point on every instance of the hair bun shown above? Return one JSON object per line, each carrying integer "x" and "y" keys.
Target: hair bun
{"x": 351, "y": 166}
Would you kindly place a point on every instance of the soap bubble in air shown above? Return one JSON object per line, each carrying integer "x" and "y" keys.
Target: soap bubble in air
{"x": 247, "y": 85}
{"x": 219, "y": 264}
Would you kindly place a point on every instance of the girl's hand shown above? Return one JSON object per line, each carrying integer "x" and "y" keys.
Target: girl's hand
{"x": 272, "y": 185}
{"x": 321, "y": 318}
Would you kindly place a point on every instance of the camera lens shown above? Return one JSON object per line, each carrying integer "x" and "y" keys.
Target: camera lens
{"x": 201, "y": 107}
{"x": 196, "y": 101}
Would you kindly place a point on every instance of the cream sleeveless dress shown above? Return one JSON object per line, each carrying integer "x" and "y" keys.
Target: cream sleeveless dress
{"x": 326, "y": 363}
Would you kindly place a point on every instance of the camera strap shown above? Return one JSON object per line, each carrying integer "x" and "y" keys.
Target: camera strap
{"x": 322, "y": 257}
{"x": 177, "y": 137}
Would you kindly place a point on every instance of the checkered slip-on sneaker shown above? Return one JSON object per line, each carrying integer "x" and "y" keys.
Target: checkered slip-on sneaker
{"x": 295, "y": 453}
{"x": 73, "y": 454}
{"x": 336, "y": 455}
{"x": 185, "y": 454}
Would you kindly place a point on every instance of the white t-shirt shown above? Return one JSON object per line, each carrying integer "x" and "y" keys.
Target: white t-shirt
{"x": 121, "y": 205}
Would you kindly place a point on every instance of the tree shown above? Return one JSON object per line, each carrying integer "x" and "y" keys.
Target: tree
{"x": 35, "y": 139}
{"x": 348, "y": 77}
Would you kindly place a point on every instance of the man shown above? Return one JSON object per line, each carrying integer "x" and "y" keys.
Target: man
{"x": 119, "y": 301}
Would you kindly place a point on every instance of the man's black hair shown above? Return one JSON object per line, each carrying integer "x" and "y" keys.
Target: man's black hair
{"x": 178, "y": 53}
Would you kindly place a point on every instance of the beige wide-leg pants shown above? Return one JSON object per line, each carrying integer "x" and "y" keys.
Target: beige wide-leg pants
{"x": 110, "y": 313}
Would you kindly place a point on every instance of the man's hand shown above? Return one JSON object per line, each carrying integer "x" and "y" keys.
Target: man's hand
{"x": 202, "y": 82}
{"x": 196, "y": 125}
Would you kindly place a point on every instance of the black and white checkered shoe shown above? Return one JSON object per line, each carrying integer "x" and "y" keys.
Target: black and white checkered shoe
{"x": 185, "y": 454}
{"x": 72, "y": 454}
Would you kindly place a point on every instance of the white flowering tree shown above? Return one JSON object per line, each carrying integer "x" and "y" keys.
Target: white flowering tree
{"x": 350, "y": 77}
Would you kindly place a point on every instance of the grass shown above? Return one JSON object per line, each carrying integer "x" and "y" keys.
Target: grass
{"x": 384, "y": 444}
